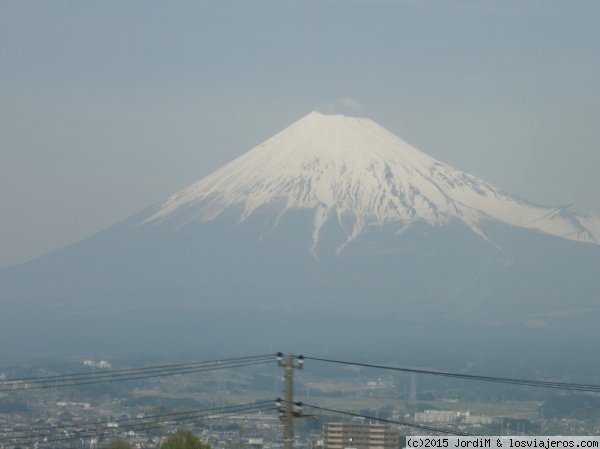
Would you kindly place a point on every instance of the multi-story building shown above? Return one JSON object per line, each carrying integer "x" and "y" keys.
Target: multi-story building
{"x": 360, "y": 436}
{"x": 444, "y": 416}
{"x": 440, "y": 416}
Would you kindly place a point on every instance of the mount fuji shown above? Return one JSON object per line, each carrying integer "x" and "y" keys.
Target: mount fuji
{"x": 334, "y": 233}
{"x": 359, "y": 174}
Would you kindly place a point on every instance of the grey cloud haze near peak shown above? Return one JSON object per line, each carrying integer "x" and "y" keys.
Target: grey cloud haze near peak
{"x": 350, "y": 102}
{"x": 108, "y": 107}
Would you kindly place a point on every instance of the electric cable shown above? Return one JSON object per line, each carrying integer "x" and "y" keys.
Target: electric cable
{"x": 389, "y": 421}
{"x": 126, "y": 371}
{"x": 87, "y": 430}
{"x": 127, "y": 374}
{"x": 505, "y": 380}
{"x": 140, "y": 421}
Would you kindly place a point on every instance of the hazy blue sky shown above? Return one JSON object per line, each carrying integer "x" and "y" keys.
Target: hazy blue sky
{"x": 107, "y": 107}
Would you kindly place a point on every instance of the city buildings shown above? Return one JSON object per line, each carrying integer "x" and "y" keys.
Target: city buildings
{"x": 359, "y": 436}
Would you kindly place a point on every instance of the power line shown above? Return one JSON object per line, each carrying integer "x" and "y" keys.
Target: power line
{"x": 88, "y": 430}
{"x": 145, "y": 419}
{"x": 505, "y": 380}
{"x": 165, "y": 420}
{"x": 389, "y": 421}
{"x": 128, "y": 374}
{"x": 108, "y": 380}
{"x": 90, "y": 433}
{"x": 126, "y": 371}
{"x": 76, "y": 431}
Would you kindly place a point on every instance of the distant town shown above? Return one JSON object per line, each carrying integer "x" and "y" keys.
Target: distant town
{"x": 235, "y": 408}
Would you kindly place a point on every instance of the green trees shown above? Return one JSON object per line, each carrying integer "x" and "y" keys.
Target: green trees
{"x": 184, "y": 439}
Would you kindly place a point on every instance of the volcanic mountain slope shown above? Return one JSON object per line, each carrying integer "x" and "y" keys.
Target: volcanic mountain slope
{"x": 337, "y": 230}
{"x": 356, "y": 172}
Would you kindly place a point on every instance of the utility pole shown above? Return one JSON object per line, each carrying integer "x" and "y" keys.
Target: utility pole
{"x": 288, "y": 430}
{"x": 290, "y": 410}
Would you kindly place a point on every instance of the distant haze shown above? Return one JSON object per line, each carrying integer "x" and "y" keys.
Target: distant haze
{"x": 108, "y": 108}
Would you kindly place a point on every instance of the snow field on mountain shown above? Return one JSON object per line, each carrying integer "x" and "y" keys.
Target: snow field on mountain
{"x": 342, "y": 165}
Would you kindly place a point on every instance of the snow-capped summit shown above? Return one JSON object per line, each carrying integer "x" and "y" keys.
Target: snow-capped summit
{"x": 356, "y": 172}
